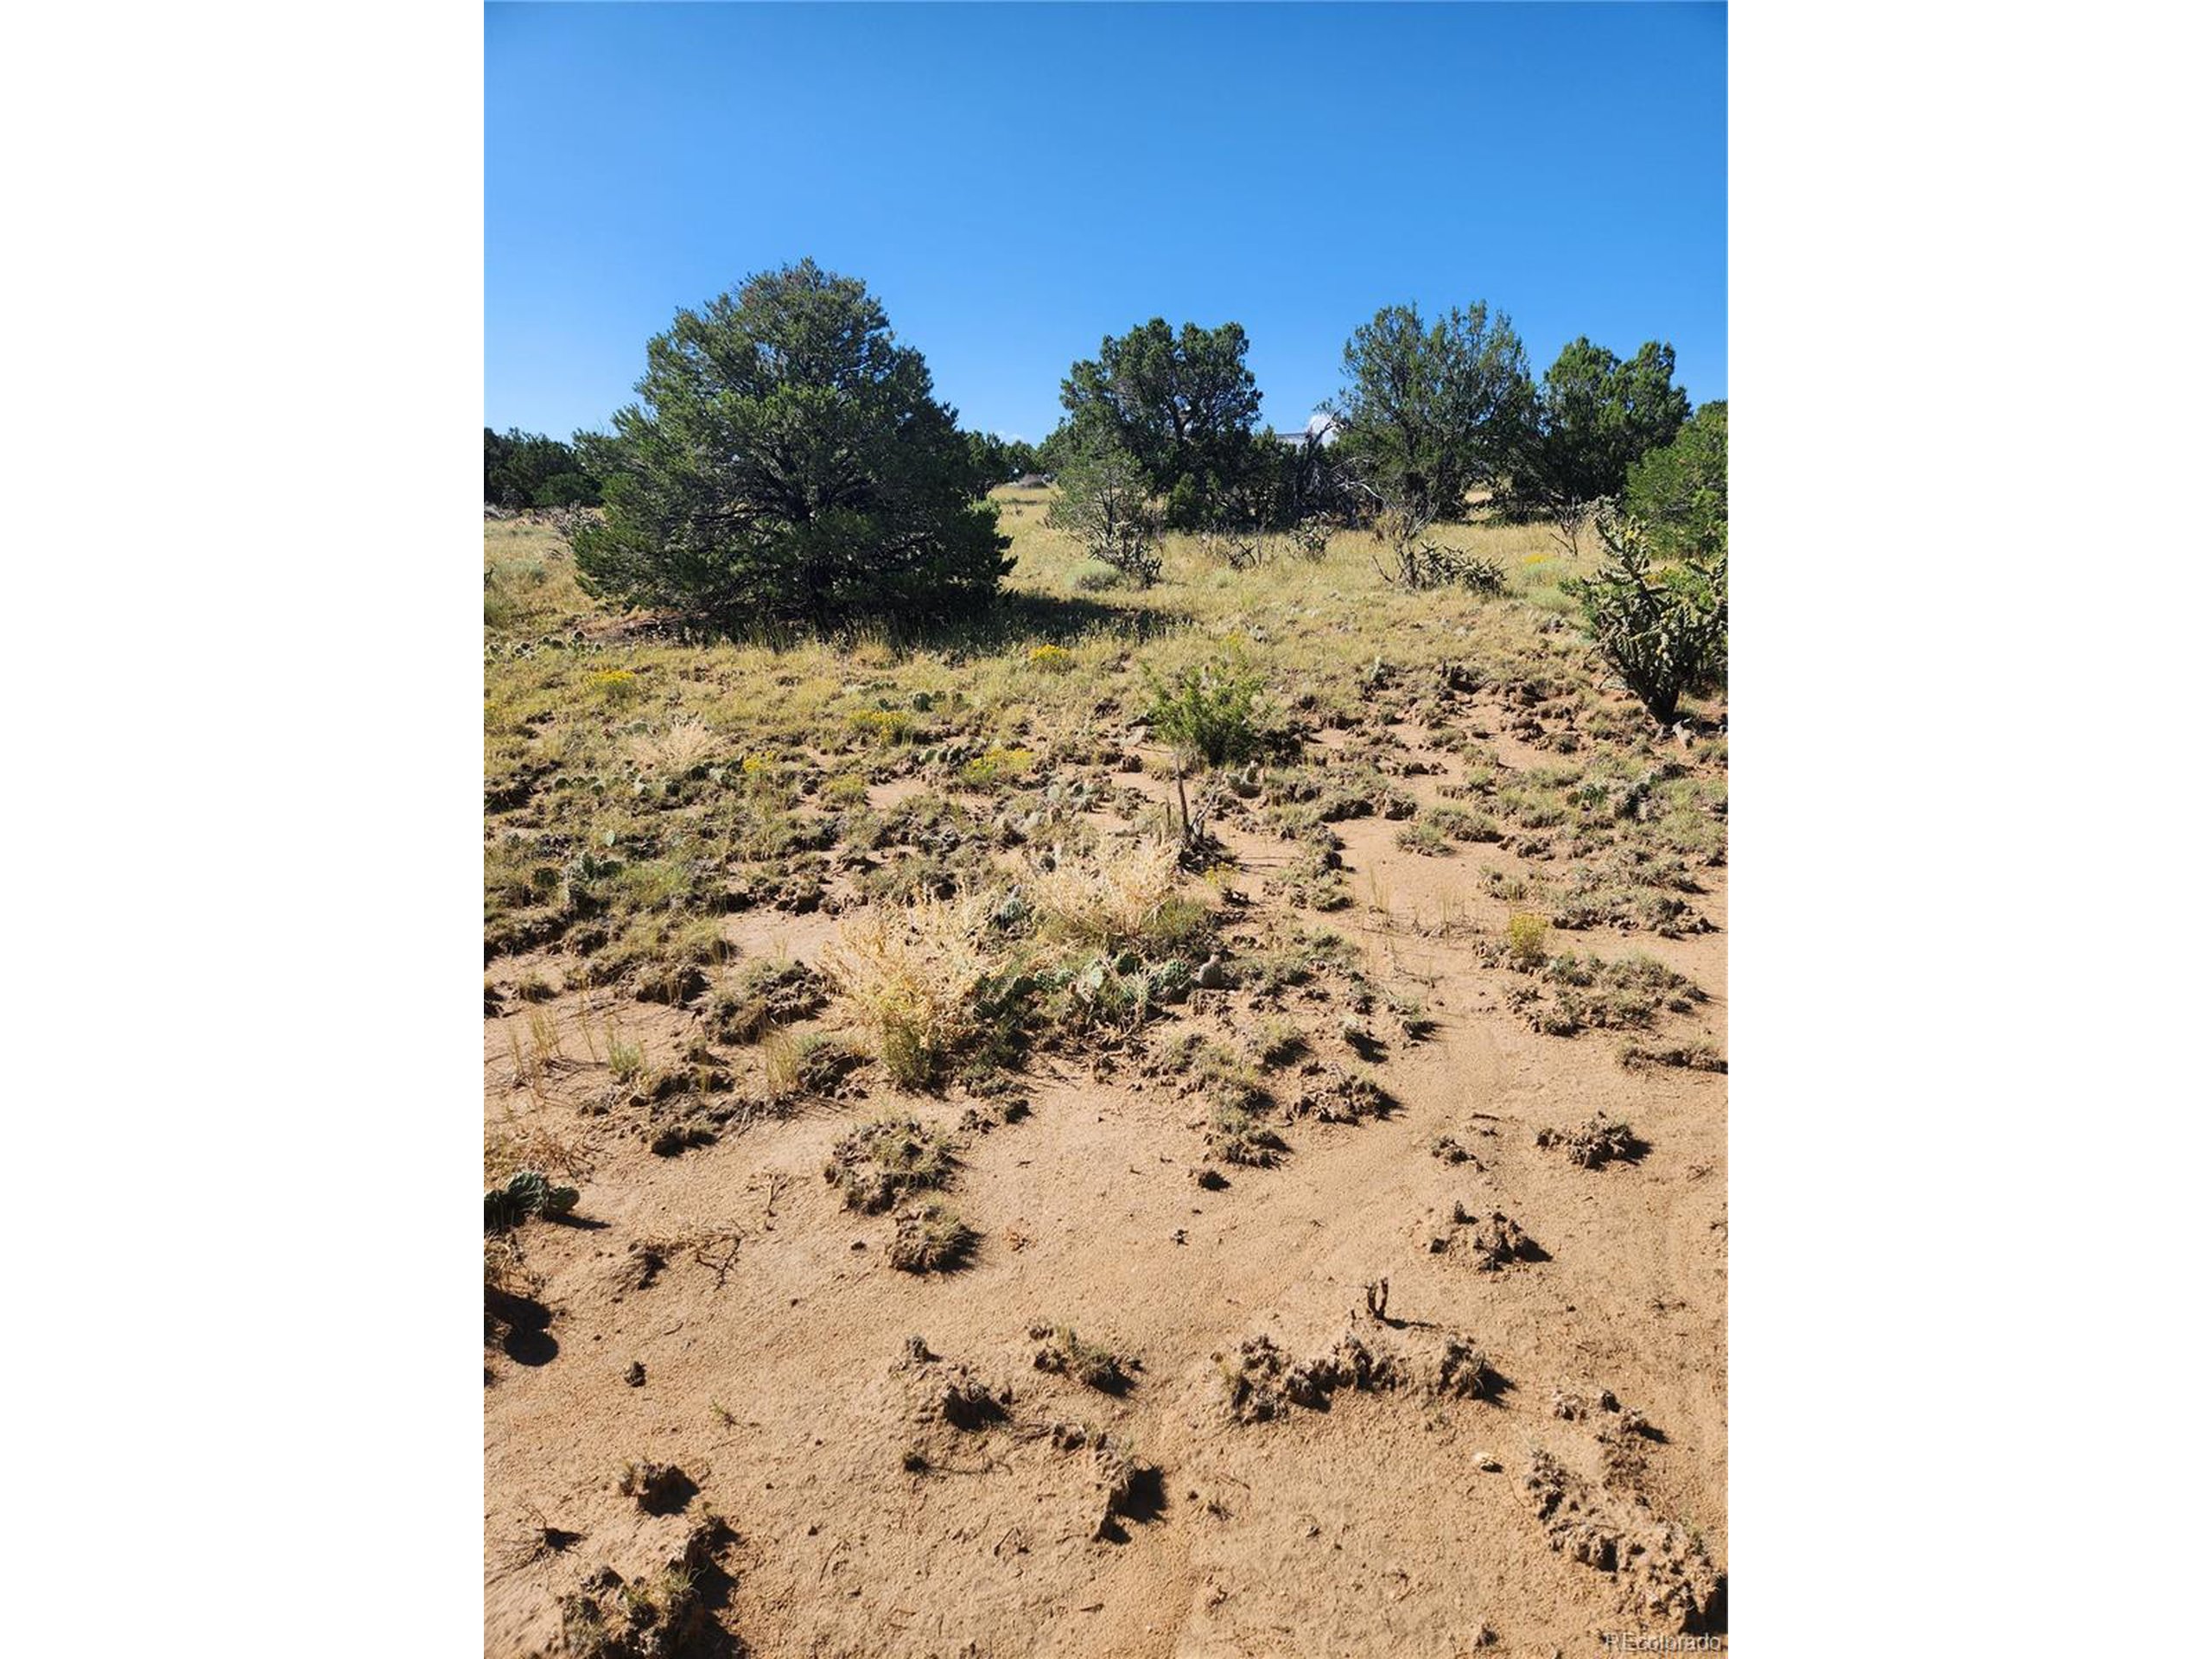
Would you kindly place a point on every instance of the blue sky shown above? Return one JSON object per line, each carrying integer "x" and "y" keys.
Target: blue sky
{"x": 1014, "y": 181}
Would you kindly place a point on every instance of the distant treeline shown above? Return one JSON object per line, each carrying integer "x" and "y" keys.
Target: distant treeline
{"x": 1434, "y": 418}
{"x": 528, "y": 469}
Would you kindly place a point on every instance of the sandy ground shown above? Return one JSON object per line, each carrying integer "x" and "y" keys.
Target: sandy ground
{"x": 1395, "y": 1521}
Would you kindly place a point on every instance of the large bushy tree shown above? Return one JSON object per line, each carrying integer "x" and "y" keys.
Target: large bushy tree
{"x": 787, "y": 463}
{"x": 1181, "y": 403}
{"x": 1431, "y": 410}
{"x": 1597, "y": 414}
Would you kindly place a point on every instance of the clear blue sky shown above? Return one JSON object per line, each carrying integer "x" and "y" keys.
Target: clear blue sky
{"x": 1014, "y": 181}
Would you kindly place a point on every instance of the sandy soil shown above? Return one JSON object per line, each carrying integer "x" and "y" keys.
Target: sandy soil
{"x": 777, "y": 1370}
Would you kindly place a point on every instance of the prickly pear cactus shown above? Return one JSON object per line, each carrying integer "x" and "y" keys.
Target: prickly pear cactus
{"x": 527, "y": 1194}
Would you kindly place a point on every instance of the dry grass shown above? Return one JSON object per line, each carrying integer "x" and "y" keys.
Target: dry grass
{"x": 1123, "y": 893}
{"x": 674, "y": 749}
{"x": 514, "y": 1144}
{"x": 912, "y": 978}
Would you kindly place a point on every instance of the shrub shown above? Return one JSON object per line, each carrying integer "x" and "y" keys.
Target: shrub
{"x": 1664, "y": 631}
{"x": 1105, "y": 503}
{"x": 1210, "y": 712}
{"x": 1309, "y": 537}
{"x": 1681, "y": 490}
{"x": 1240, "y": 549}
{"x": 618, "y": 685}
{"x": 996, "y": 766}
{"x": 1417, "y": 561}
{"x": 1524, "y": 939}
{"x": 1053, "y": 659}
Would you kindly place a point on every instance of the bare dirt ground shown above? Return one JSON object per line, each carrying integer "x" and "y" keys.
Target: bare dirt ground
{"x": 875, "y": 1463}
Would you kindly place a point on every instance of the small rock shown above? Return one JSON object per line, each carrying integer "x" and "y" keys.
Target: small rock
{"x": 635, "y": 1376}
{"x": 1212, "y": 976}
{"x": 1489, "y": 1464}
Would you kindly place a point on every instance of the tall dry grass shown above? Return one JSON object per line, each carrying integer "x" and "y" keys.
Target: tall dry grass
{"x": 1122, "y": 893}
{"x": 675, "y": 749}
{"x": 914, "y": 977}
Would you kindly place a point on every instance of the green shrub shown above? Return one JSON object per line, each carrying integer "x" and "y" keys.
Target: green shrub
{"x": 1105, "y": 502}
{"x": 1209, "y": 713}
{"x": 1524, "y": 939}
{"x": 1681, "y": 491}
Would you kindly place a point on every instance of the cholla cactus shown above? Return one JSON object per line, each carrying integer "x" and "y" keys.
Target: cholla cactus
{"x": 1662, "y": 628}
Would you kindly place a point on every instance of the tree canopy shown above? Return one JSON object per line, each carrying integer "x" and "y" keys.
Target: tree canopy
{"x": 997, "y": 460}
{"x": 1180, "y": 403}
{"x": 1429, "y": 411}
{"x": 1681, "y": 490}
{"x": 787, "y": 463}
{"x": 1596, "y": 416}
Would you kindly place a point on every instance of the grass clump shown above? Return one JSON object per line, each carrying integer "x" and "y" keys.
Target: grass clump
{"x": 808, "y": 1065}
{"x": 1092, "y": 1365}
{"x": 922, "y": 980}
{"x": 930, "y": 1238}
{"x": 767, "y": 992}
{"x": 1568, "y": 994}
{"x": 1591, "y": 1144}
{"x": 681, "y": 747}
{"x": 1123, "y": 895}
{"x": 1236, "y": 1135}
{"x": 880, "y": 1163}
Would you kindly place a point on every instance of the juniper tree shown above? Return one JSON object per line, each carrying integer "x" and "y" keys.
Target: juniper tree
{"x": 1431, "y": 410}
{"x": 1181, "y": 403}
{"x": 787, "y": 463}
